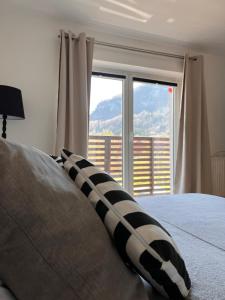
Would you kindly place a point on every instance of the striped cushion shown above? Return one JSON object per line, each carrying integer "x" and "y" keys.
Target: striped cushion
{"x": 58, "y": 159}
{"x": 141, "y": 241}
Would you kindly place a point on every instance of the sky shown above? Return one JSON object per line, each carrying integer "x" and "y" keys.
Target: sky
{"x": 105, "y": 88}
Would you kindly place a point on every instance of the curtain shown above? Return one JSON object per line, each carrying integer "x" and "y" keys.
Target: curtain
{"x": 193, "y": 166}
{"x": 75, "y": 68}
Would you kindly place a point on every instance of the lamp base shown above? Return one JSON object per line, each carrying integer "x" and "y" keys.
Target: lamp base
{"x": 4, "y": 122}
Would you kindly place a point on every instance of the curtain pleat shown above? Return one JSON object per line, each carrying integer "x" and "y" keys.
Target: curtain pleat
{"x": 193, "y": 166}
{"x": 75, "y": 69}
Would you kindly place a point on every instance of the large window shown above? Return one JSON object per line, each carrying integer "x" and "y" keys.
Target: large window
{"x": 131, "y": 131}
{"x": 106, "y": 127}
{"x": 152, "y": 120}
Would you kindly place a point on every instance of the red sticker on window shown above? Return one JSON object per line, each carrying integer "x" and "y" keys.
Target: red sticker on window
{"x": 170, "y": 90}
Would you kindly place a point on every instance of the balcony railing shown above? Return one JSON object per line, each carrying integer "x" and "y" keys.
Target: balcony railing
{"x": 151, "y": 162}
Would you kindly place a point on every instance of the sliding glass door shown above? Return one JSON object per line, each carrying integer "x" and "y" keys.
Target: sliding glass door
{"x": 106, "y": 124}
{"x": 152, "y": 137}
{"x": 131, "y": 131}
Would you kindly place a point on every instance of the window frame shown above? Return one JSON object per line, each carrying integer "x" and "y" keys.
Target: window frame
{"x": 127, "y": 112}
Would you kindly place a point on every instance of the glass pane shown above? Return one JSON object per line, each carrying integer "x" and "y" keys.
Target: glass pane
{"x": 105, "y": 128}
{"x": 152, "y": 121}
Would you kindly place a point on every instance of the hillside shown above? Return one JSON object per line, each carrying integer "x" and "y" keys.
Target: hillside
{"x": 151, "y": 113}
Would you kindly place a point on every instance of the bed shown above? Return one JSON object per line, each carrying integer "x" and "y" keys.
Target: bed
{"x": 197, "y": 223}
{"x": 38, "y": 251}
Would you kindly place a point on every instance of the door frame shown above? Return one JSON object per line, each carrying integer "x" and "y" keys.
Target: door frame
{"x": 127, "y": 117}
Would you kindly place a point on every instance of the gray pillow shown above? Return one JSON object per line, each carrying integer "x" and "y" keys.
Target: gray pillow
{"x": 52, "y": 243}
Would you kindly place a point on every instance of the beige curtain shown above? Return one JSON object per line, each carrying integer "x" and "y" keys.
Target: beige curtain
{"x": 193, "y": 167}
{"x": 75, "y": 68}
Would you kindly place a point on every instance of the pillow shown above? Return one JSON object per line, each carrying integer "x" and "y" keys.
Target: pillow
{"x": 52, "y": 243}
{"x": 141, "y": 241}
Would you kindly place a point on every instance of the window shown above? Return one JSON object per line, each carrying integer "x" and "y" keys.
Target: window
{"x": 131, "y": 131}
{"x": 105, "y": 127}
{"x": 152, "y": 132}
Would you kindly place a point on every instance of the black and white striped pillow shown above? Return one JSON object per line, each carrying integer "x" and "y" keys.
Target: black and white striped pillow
{"x": 58, "y": 159}
{"x": 141, "y": 241}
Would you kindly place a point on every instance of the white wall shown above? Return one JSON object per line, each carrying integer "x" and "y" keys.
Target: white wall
{"x": 29, "y": 60}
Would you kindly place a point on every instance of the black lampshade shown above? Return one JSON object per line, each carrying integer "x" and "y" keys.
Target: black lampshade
{"x": 11, "y": 103}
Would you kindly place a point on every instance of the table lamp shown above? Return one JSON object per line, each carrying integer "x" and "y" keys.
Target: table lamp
{"x": 11, "y": 105}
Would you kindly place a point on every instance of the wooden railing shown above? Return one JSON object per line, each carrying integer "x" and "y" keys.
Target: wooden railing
{"x": 151, "y": 162}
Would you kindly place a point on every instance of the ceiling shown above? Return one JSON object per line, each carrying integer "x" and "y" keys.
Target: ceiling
{"x": 199, "y": 23}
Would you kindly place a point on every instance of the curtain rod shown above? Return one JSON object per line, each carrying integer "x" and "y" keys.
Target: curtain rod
{"x": 135, "y": 49}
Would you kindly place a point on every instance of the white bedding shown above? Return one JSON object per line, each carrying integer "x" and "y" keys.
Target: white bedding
{"x": 5, "y": 294}
{"x": 197, "y": 223}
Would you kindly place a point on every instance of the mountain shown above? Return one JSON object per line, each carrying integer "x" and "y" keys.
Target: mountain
{"x": 107, "y": 109}
{"x": 151, "y": 113}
